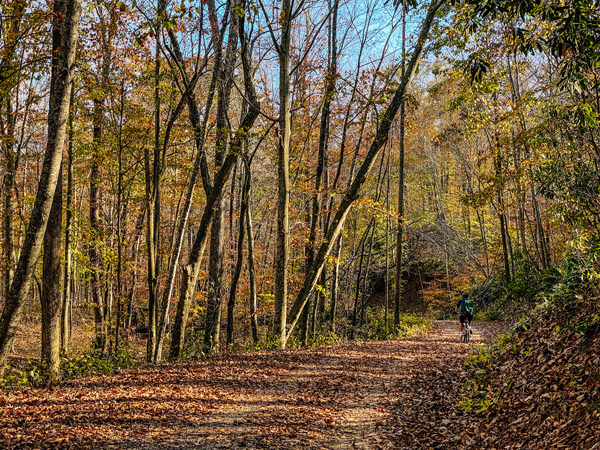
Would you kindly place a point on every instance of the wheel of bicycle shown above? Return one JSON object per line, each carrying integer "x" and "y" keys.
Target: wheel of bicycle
{"x": 465, "y": 336}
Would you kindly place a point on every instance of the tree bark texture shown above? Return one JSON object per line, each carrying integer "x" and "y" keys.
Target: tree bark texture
{"x": 283, "y": 176}
{"x": 215, "y": 264}
{"x": 57, "y": 125}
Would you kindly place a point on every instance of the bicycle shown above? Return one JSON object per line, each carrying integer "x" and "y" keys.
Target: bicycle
{"x": 466, "y": 336}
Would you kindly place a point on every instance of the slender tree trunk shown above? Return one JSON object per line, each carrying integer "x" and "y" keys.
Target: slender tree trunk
{"x": 9, "y": 213}
{"x": 400, "y": 220}
{"x": 240, "y": 259}
{"x": 67, "y": 292}
{"x": 283, "y": 176}
{"x": 387, "y": 245}
{"x": 57, "y": 125}
{"x": 120, "y": 222}
{"x": 212, "y": 330}
{"x": 11, "y": 28}
{"x": 502, "y": 216}
{"x": 200, "y": 168}
{"x": 356, "y": 310}
{"x": 152, "y": 178}
{"x": 93, "y": 246}
{"x": 251, "y": 265}
{"x": 335, "y": 283}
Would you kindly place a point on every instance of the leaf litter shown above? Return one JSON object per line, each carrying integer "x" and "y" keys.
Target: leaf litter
{"x": 375, "y": 395}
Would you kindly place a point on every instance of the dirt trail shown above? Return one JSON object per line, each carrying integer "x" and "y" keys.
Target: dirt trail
{"x": 393, "y": 394}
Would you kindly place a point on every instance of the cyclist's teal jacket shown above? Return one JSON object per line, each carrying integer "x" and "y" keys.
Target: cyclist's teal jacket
{"x": 466, "y": 307}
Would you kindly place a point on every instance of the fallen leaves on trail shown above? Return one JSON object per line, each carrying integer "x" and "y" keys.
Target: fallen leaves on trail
{"x": 373, "y": 395}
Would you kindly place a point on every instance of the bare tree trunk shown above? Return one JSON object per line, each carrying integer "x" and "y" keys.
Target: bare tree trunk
{"x": 11, "y": 27}
{"x": 212, "y": 330}
{"x": 57, "y": 125}
{"x": 67, "y": 293}
{"x": 251, "y": 270}
{"x": 400, "y": 220}
{"x": 335, "y": 283}
{"x": 120, "y": 217}
{"x": 387, "y": 244}
{"x": 283, "y": 176}
{"x": 50, "y": 292}
{"x": 502, "y": 216}
{"x": 200, "y": 167}
{"x": 190, "y": 272}
{"x": 356, "y": 310}
{"x": 93, "y": 246}
{"x": 9, "y": 213}
{"x": 153, "y": 217}
{"x": 50, "y": 296}
{"x": 240, "y": 261}
{"x": 323, "y": 136}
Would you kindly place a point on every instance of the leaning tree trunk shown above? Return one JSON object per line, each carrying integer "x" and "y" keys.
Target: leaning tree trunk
{"x": 50, "y": 297}
{"x": 352, "y": 193}
{"x": 57, "y": 125}
{"x": 190, "y": 271}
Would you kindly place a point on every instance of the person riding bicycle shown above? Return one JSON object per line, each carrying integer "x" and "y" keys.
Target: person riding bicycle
{"x": 466, "y": 311}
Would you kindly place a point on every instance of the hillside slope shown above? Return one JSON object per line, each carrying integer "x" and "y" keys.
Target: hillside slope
{"x": 539, "y": 387}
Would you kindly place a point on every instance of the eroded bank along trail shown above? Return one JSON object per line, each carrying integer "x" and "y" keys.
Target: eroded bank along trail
{"x": 392, "y": 394}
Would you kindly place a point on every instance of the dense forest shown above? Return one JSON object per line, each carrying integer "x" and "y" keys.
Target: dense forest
{"x": 238, "y": 174}
{"x": 186, "y": 178}
{"x": 193, "y": 191}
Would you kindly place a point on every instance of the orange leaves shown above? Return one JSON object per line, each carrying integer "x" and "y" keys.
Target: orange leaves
{"x": 286, "y": 399}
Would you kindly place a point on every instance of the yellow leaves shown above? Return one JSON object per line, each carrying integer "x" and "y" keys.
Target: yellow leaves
{"x": 240, "y": 11}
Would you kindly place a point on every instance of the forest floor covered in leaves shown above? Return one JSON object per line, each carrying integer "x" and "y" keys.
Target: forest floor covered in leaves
{"x": 388, "y": 394}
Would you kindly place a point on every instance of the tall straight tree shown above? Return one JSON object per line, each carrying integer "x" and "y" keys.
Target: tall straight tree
{"x": 67, "y": 293}
{"x": 68, "y": 23}
{"x": 215, "y": 262}
{"x": 152, "y": 178}
{"x": 283, "y": 173}
{"x": 400, "y": 220}
{"x": 107, "y": 17}
{"x": 51, "y": 293}
{"x": 200, "y": 168}
{"x": 323, "y": 137}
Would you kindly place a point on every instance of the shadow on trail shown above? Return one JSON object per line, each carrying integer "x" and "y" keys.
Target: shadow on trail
{"x": 367, "y": 395}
